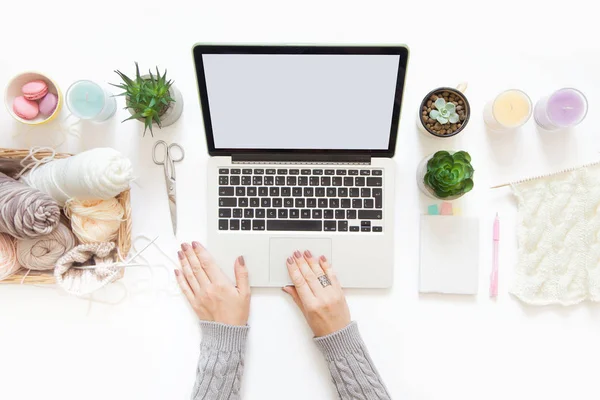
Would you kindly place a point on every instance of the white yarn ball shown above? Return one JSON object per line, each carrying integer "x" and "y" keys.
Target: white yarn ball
{"x": 99, "y": 173}
{"x": 95, "y": 220}
{"x": 41, "y": 253}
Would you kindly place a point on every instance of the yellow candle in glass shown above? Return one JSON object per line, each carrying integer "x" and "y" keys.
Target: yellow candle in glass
{"x": 509, "y": 110}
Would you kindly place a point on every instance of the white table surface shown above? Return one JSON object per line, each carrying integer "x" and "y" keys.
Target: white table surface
{"x": 426, "y": 347}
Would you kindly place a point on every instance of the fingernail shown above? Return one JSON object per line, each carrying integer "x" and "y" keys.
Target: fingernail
{"x": 323, "y": 258}
{"x": 185, "y": 246}
{"x": 241, "y": 260}
{"x": 290, "y": 260}
{"x": 195, "y": 245}
{"x": 180, "y": 254}
{"x": 297, "y": 254}
{"x": 308, "y": 254}
{"x": 176, "y": 272}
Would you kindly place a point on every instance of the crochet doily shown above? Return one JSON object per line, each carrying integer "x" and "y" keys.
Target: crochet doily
{"x": 558, "y": 237}
{"x": 85, "y": 281}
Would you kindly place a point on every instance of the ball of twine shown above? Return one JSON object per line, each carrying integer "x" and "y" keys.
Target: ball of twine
{"x": 42, "y": 253}
{"x": 26, "y": 212}
{"x": 95, "y": 220}
{"x": 8, "y": 256}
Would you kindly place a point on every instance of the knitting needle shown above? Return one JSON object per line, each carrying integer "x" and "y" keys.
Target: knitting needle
{"x": 117, "y": 265}
{"x": 142, "y": 250}
{"x": 545, "y": 175}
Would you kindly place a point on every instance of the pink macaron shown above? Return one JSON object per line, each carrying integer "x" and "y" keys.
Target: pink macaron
{"x": 48, "y": 104}
{"x": 26, "y": 109}
{"x": 35, "y": 90}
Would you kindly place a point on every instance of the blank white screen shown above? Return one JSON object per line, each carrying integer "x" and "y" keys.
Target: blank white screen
{"x": 260, "y": 101}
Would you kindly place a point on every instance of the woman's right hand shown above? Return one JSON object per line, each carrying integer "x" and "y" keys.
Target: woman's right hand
{"x": 324, "y": 306}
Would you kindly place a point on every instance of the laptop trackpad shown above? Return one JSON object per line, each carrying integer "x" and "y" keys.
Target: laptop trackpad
{"x": 282, "y": 248}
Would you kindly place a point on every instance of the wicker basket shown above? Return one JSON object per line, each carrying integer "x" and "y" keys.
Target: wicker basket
{"x": 123, "y": 237}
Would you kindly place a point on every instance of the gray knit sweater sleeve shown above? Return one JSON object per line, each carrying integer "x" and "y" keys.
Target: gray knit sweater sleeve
{"x": 221, "y": 362}
{"x": 351, "y": 368}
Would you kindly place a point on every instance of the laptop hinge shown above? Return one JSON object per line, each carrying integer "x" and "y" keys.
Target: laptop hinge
{"x": 299, "y": 158}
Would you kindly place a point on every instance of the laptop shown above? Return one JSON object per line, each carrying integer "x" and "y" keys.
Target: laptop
{"x": 301, "y": 140}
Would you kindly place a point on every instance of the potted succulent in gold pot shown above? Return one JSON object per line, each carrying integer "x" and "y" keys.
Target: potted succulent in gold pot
{"x": 151, "y": 99}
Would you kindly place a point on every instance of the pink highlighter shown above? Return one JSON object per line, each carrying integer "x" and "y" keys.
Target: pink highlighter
{"x": 494, "y": 276}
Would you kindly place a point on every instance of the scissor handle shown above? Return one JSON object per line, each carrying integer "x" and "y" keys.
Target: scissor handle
{"x": 179, "y": 148}
{"x": 165, "y": 152}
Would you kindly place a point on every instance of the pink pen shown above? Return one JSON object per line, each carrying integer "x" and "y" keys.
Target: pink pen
{"x": 494, "y": 276}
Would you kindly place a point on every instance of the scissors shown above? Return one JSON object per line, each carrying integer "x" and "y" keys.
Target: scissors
{"x": 168, "y": 162}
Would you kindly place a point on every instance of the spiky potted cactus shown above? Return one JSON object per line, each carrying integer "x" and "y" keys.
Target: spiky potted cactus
{"x": 446, "y": 175}
{"x": 151, "y": 99}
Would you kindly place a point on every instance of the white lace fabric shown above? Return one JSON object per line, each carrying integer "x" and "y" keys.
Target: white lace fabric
{"x": 558, "y": 234}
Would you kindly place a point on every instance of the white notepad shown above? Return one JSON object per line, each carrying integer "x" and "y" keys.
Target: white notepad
{"x": 449, "y": 254}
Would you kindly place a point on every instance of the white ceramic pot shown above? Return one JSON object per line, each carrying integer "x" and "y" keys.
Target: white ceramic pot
{"x": 421, "y": 171}
{"x": 173, "y": 112}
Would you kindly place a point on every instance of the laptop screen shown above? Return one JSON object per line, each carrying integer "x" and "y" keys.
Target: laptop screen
{"x": 302, "y": 101}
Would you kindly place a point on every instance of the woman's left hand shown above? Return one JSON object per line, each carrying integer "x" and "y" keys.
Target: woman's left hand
{"x": 210, "y": 293}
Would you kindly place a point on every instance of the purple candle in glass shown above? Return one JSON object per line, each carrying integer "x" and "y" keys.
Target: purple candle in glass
{"x": 562, "y": 109}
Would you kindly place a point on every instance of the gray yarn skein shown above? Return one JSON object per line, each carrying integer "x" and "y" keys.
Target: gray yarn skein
{"x": 26, "y": 212}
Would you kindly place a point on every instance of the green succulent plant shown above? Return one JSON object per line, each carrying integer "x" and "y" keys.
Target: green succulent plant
{"x": 445, "y": 112}
{"x": 449, "y": 175}
{"x": 149, "y": 98}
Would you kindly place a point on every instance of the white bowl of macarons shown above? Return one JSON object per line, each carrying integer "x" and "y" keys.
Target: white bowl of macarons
{"x": 33, "y": 98}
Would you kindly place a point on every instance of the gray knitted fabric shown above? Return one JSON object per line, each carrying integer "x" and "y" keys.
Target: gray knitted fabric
{"x": 352, "y": 370}
{"x": 222, "y": 363}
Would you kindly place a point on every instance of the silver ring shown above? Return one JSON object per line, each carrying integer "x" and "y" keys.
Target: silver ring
{"x": 324, "y": 280}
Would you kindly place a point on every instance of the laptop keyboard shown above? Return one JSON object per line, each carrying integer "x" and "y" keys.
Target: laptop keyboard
{"x": 311, "y": 199}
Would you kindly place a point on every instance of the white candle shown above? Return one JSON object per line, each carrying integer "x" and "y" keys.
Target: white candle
{"x": 511, "y": 109}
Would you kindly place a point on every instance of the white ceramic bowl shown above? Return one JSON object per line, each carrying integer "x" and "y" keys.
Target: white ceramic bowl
{"x": 13, "y": 90}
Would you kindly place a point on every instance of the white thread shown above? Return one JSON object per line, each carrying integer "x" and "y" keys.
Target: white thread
{"x": 70, "y": 127}
{"x": 29, "y": 129}
{"x": 35, "y": 162}
{"x": 172, "y": 289}
{"x": 91, "y": 299}
{"x": 64, "y": 136}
